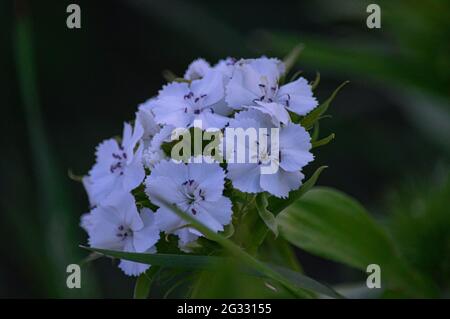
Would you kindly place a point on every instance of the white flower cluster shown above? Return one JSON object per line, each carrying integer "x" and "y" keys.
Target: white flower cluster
{"x": 233, "y": 93}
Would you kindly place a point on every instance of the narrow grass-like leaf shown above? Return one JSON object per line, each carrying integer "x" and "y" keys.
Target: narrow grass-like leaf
{"x": 292, "y": 57}
{"x": 316, "y": 81}
{"x": 165, "y": 260}
{"x": 323, "y": 141}
{"x": 315, "y": 133}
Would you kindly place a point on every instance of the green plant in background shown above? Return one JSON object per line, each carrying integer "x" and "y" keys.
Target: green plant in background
{"x": 409, "y": 59}
{"x": 52, "y": 231}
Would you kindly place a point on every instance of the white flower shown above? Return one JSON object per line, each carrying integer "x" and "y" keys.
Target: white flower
{"x": 226, "y": 67}
{"x": 118, "y": 167}
{"x": 254, "y": 84}
{"x": 153, "y": 154}
{"x": 179, "y": 104}
{"x": 294, "y": 153}
{"x": 197, "y": 69}
{"x": 195, "y": 188}
{"x": 117, "y": 225}
{"x": 146, "y": 118}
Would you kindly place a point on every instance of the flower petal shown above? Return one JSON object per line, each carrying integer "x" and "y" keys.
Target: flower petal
{"x": 297, "y": 96}
{"x": 219, "y": 210}
{"x": 245, "y": 177}
{"x": 148, "y": 236}
{"x": 280, "y": 183}
{"x": 295, "y": 147}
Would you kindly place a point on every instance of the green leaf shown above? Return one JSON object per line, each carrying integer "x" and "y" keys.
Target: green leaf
{"x": 315, "y": 133}
{"x": 144, "y": 283}
{"x": 165, "y": 260}
{"x": 307, "y": 282}
{"x": 168, "y": 75}
{"x": 292, "y": 57}
{"x": 309, "y": 120}
{"x": 276, "y": 205}
{"x": 323, "y": 141}
{"x": 228, "y": 230}
{"x": 293, "y": 280}
{"x": 266, "y": 215}
{"x": 316, "y": 81}
{"x": 332, "y": 225}
{"x": 296, "y": 75}
{"x": 53, "y": 205}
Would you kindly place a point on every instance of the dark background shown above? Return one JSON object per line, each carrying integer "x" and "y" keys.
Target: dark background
{"x": 391, "y": 122}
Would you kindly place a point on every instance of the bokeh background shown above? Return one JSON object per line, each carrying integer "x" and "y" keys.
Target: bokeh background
{"x": 63, "y": 91}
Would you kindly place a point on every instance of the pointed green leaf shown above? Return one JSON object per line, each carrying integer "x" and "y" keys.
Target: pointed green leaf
{"x": 323, "y": 141}
{"x": 315, "y": 134}
{"x": 266, "y": 216}
{"x": 316, "y": 81}
{"x": 296, "y": 75}
{"x": 309, "y": 120}
{"x": 276, "y": 205}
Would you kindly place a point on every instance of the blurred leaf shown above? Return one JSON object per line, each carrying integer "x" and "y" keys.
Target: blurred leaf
{"x": 419, "y": 221}
{"x": 280, "y": 252}
{"x": 169, "y": 76}
{"x": 266, "y": 216}
{"x": 227, "y": 280}
{"x": 144, "y": 283}
{"x": 296, "y": 75}
{"x": 332, "y": 225}
{"x": 316, "y": 81}
{"x": 307, "y": 282}
{"x": 56, "y": 229}
{"x": 291, "y": 59}
{"x": 276, "y": 205}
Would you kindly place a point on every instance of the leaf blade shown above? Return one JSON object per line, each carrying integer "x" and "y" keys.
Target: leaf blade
{"x": 332, "y": 225}
{"x": 267, "y": 217}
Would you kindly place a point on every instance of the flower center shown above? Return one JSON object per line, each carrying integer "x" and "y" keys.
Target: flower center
{"x": 120, "y": 159}
{"x": 193, "y": 194}
{"x": 268, "y": 90}
{"x": 265, "y": 156}
{"x": 124, "y": 232}
{"x": 195, "y": 103}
